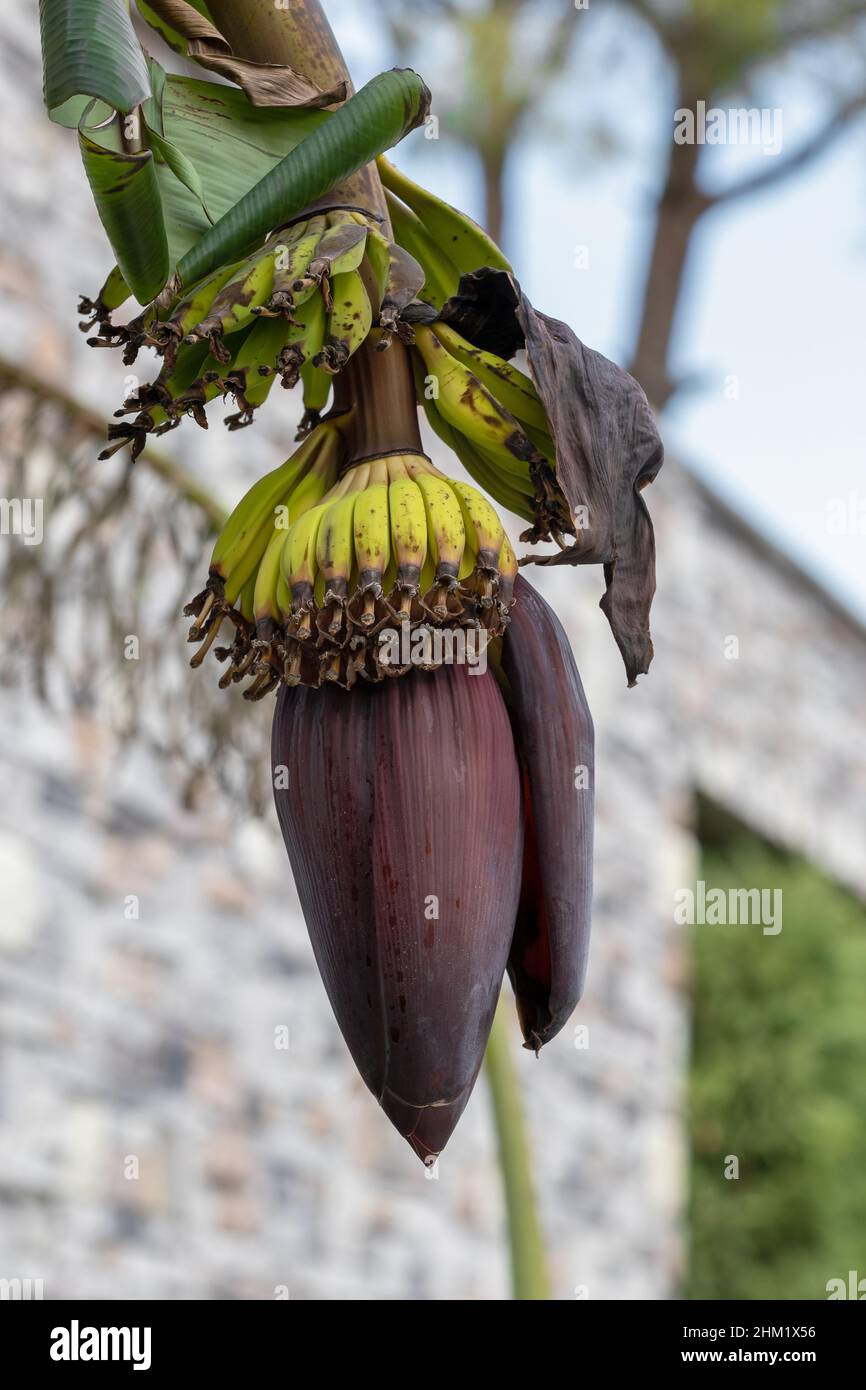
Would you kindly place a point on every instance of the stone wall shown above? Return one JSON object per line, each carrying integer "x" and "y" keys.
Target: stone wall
{"x": 154, "y": 1142}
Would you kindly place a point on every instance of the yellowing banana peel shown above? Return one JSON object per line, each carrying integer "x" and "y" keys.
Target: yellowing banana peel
{"x": 353, "y": 574}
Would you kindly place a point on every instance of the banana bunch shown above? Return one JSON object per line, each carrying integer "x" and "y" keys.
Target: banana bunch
{"x": 485, "y": 409}
{"x": 489, "y": 414}
{"x": 241, "y": 548}
{"x": 301, "y": 305}
{"x": 315, "y": 571}
{"x": 444, "y": 241}
{"x": 297, "y": 308}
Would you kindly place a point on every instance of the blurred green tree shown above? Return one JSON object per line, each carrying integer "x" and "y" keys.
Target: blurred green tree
{"x": 778, "y": 1080}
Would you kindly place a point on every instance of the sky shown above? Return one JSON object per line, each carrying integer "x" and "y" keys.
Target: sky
{"x": 772, "y": 324}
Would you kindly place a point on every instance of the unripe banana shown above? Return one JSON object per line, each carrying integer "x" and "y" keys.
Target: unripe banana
{"x": 334, "y": 546}
{"x": 294, "y": 248}
{"x": 508, "y": 489}
{"x": 251, "y": 373}
{"x": 464, "y": 403}
{"x": 399, "y": 278}
{"x": 245, "y": 599}
{"x": 442, "y": 278}
{"x": 377, "y": 250}
{"x": 320, "y": 476}
{"x": 466, "y": 244}
{"x": 484, "y": 530}
{"x": 372, "y": 536}
{"x": 408, "y": 537}
{"x": 241, "y": 543}
{"x": 303, "y": 338}
{"x": 234, "y": 303}
{"x": 174, "y": 379}
{"x": 340, "y": 250}
{"x": 317, "y": 392}
{"x": 446, "y": 543}
{"x": 349, "y": 322}
{"x": 298, "y": 567}
{"x": 511, "y": 387}
{"x": 284, "y": 597}
{"x": 266, "y": 608}
{"x": 508, "y": 572}
{"x": 445, "y": 527}
{"x": 112, "y": 295}
{"x": 169, "y": 333}
{"x": 335, "y": 554}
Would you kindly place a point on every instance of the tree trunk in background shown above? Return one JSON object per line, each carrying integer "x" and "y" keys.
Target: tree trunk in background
{"x": 493, "y": 164}
{"x": 679, "y": 209}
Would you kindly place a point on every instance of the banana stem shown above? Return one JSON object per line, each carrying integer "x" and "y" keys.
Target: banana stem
{"x": 377, "y": 389}
{"x": 300, "y": 36}
{"x": 528, "y": 1260}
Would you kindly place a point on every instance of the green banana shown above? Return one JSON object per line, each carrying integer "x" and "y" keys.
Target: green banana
{"x": 169, "y": 333}
{"x": 349, "y": 322}
{"x": 252, "y": 370}
{"x": 241, "y": 543}
{"x": 408, "y": 539}
{"x": 340, "y": 249}
{"x": 442, "y": 278}
{"x": 485, "y": 532}
{"x": 399, "y": 279}
{"x": 465, "y": 243}
{"x": 233, "y": 305}
{"x": 470, "y": 408}
{"x": 292, "y": 256}
{"x": 511, "y": 387}
{"x": 509, "y": 491}
{"x": 304, "y": 338}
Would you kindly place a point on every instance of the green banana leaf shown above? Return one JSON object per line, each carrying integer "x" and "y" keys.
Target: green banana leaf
{"x": 230, "y": 143}
{"x": 376, "y": 119}
{"x": 207, "y": 147}
{"x": 188, "y": 29}
{"x": 125, "y": 189}
{"x": 89, "y": 49}
{"x": 182, "y": 168}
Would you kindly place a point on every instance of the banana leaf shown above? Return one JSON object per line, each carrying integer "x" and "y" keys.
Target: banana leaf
{"x": 376, "y": 119}
{"x": 229, "y": 143}
{"x": 190, "y": 32}
{"x": 125, "y": 189}
{"x": 207, "y": 147}
{"x": 90, "y": 49}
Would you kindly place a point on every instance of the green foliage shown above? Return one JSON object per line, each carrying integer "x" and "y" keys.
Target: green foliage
{"x": 378, "y": 117}
{"x": 778, "y": 1079}
{"x": 126, "y": 193}
{"x": 89, "y": 49}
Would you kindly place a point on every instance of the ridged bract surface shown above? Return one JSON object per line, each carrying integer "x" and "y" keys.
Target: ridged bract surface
{"x": 554, "y": 736}
{"x": 402, "y": 822}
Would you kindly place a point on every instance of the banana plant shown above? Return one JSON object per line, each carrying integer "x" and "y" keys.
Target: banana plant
{"x": 435, "y": 738}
